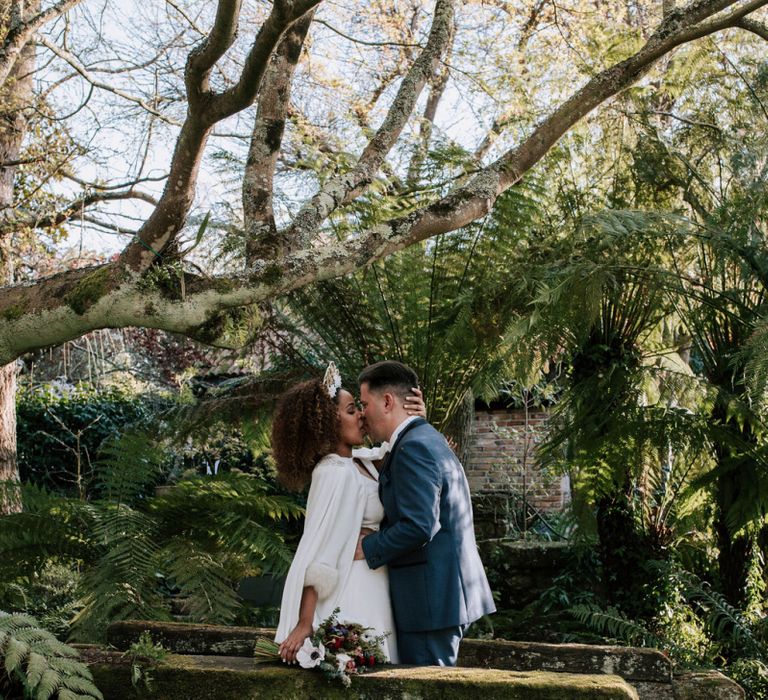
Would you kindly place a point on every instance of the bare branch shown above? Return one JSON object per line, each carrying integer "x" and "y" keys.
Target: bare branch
{"x": 366, "y": 43}
{"x": 118, "y": 186}
{"x": 730, "y": 19}
{"x": 341, "y": 190}
{"x": 189, "y": 20}
{"x": 73, "y": 61}
{"x": 204, "y": 56}
{"x": 266, "y": 138}
{"x": 205, "y": 109}
{"x": 752, "y": 25}
{"x": 107, "y": 226}
{"x": 20, "y": 34}
{"x": 438, "y": 82}
{"x": 73, "y": 210}
{"x": 243, "y": 93}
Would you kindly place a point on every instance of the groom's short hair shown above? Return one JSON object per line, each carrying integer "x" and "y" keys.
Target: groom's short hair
{"x": 389, "y": 374}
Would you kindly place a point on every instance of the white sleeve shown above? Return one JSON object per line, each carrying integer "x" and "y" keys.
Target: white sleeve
{"x": 333, "y": 516}
{"x": 332, "y": 522}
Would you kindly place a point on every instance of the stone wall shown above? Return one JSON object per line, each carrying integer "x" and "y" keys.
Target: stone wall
{"x": 501, "y": 459}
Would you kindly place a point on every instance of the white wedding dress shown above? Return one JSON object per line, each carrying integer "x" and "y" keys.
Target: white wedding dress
{"x": 341, "y": 500}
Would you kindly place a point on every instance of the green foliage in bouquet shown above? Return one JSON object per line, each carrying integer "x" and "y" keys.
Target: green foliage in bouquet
{"x": 39, "y": 665}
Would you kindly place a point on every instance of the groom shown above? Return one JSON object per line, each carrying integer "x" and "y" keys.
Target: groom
{"x": 427, "y": 539}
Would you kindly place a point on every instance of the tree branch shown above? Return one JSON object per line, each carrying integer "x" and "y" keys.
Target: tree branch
{"x": 205, "y": 110}
{"x": 752, "y": 25}
{"x": 437, "y": 82}
{"x": 243, "y": 93}
{"x": 65, "y": 306}
{"x": 204, "y": 56}
{"x": 69, "y": 211}
{"x": 22, "y": 31}
{"x": 73, "y": 61}
{"x": 343, "y": 189}
{"x": 266, "y": 139}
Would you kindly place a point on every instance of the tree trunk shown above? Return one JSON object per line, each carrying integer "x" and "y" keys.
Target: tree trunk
{"x": 734, "y": 552}
{"x": 13, "y": 123}
{"x": 9, "y": 473}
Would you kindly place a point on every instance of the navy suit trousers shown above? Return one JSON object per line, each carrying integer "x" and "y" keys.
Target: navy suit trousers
{"x": 432, "y": 648}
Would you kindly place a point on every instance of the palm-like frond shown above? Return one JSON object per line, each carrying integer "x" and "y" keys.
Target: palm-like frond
{"x": 127, "y": 467}
{"x": 42, "y": 664}
{"x": 444, "y": 307}
{"x": 202, "y": 536}
{"x": 49, "y": 526}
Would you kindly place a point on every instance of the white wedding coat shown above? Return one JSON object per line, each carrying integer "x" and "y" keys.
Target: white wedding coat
{"x": 326, "y": 551}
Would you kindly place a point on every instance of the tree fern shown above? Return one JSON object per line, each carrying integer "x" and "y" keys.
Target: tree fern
{"x": 42, "y": 665}
{"x": 443, "y": 307}
{"x": 127, "y": 467}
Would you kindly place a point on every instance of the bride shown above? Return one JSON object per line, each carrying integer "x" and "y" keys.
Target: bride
{"x": 316, "y": 426}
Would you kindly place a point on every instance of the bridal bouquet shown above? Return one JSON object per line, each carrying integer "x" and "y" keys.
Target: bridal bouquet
{"x": 338, "y": 650}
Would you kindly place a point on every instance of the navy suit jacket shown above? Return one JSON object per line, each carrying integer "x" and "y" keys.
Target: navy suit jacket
{"x": 427, "y": 537}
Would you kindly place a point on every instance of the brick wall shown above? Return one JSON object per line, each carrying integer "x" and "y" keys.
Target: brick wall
{"x": 501, "y": 458}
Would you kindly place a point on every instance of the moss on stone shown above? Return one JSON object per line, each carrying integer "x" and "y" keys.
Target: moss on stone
{"x": 226, "y": 678}
{"x": 13, "y": 313}
{"x": 88, "y": 290}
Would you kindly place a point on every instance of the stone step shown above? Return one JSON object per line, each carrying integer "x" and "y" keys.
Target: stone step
{"x": 630, "y": 663}
{"x": 647, "y": 670}
{"x": 189, "y": 638}
{"x": 238, "y": 678}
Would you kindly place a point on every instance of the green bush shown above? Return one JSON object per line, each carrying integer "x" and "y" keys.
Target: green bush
{"x": 60, "y": 430}
{"x": 63, "y": 430}
{"x": 48, "y": 594}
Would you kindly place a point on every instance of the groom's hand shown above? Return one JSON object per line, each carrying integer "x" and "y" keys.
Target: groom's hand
{"x": 359, "y": 549}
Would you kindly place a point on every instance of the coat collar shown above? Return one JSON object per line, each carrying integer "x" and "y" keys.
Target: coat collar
{"x": 413, "y": 424}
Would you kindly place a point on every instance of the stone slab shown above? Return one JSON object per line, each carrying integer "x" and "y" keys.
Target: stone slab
{"x": 238, "y": 678}
{"x": 630, "y": 663}
{"x": 706, "y": 685}
{"x": 188, "y": 638}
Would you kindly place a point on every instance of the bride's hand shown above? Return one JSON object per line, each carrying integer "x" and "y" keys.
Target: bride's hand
{"x": 294, "y": 641}
{"x": 414, "y": 403}
{"x": 359, "y": 554}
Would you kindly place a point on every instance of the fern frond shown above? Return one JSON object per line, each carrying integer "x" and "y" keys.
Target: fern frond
{"x": 726, "y": 621}
{"x": 127, "y": 467}
{"x": 45, "y": 665}
{"x": 614, "y": 624}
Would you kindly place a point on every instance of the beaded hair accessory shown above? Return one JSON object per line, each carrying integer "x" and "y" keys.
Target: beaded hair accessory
{"x": 332, "y": 380}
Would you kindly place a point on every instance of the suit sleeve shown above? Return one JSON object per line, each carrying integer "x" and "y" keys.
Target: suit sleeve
{"x": 416, "y": 480}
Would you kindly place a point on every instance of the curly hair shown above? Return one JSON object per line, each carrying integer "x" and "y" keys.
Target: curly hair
{"x": 305, "y": 428}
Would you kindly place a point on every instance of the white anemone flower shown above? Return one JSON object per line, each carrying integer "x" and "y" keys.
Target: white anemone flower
{"x": 309, "y": 655}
